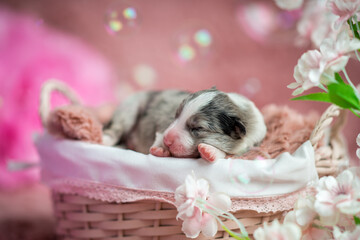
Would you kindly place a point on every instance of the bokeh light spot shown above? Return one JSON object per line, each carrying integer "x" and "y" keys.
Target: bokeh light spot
{"x": 186, "y": 53}
{"x": 115, "y": 25}
{"x": 144, "y": 75}
{"x": 203, "y": 38}
{"x": 193, "y": 45}
{"x": 251, "y": 87}
{"x": 130, "y": 13}
{"x": 121, "y": 18}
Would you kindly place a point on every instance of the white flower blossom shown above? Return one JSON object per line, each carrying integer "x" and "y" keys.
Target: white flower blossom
{"x": 347, "y": 235}
{"x": 336, "y": 196}
{"x": 316, "y": 23}
{"x": 189, "y": 198}
{"x": 289, "y": 4}
{"x": 336, "y": 53}
{"x": 303, "y": 213}
{"x": 345, "y": 9}
{"x": 304, "y": 216}
{"x": 316, "y": 67}
{"x": 308, "y": 72}
{"x": 334, "y": 204}
{"x": 277, "y": 231}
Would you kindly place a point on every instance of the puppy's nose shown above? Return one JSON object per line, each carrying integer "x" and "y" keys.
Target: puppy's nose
{"x": 168, "y": 141}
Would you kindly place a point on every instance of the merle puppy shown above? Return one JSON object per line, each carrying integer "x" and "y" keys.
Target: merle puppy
{"x": 208, "y": 123}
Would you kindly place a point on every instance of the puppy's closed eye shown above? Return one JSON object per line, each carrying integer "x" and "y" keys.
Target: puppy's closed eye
{"x": 195, "y": 129}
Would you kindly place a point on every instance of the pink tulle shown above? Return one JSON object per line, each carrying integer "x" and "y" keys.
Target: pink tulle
{"x": 30, "y": 55}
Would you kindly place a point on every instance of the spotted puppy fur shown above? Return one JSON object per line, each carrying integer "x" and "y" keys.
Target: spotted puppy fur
{"x": 208, "y": 123}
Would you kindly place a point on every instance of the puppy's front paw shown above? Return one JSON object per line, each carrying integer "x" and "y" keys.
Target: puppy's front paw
{"x": 159, "y": 152}
{"x": 107, "y": 140}
{"x": 210, "y": 153}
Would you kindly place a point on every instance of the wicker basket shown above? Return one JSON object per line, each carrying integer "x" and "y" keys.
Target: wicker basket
{"x": 84, "y": 218}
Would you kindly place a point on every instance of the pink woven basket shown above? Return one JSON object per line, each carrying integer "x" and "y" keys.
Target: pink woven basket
{"x": 80, "y": 217}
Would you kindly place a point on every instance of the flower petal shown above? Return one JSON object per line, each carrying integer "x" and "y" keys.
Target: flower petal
{"x": 314, "y": 76}
{"x": 293, "y": 85}
{"x": 191, "y": 227}
{"x": 202, "y": 188}
{"x": 220, "y": 200}
{"x": 290, "y": 231}
{"x": 345, "y": 178}
{"x": 277, "y": 231}
{"x": 337, "y": 233}
{"x": 327, "y": 183}
{"x": 209, "y": 225}
{"x": 298, "y": 91}
{"x": 190, "y": 186}
{"x": 358, "y": 140}
{"x": 290, "y": 217}
{"x": 324, "y": 196}
{"x": 339, "y": 63}
{"x": 354, "y": 235}
{"x": 180, "y": 197}
{"x": 304, "y": 216}
{"x": 324, "y": 205}
{"x": 330, "y": 220}
{"x": 186, "y": 209}
{"x": 260, "y": 234}
{"x": 349, "y": 207}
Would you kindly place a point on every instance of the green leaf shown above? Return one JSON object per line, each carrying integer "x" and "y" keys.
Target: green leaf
{"x": 343, "y": 95}
{"x": 338, "y": 78}
{"x": 320, "y": 97}
{"x": 354, "y": 26}
{"x": 357, "y": 220}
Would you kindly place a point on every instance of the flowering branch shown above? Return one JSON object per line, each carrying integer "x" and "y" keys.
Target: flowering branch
{"x": 331, "y": 211}
{"x": 200, "y": 211}
{"x": 321, "y": 68}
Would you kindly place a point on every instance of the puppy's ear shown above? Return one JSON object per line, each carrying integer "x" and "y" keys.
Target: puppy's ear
{"x": 231, "y": 125}
{"x": 239, "y": 130}
{"x": 213, "y": 88}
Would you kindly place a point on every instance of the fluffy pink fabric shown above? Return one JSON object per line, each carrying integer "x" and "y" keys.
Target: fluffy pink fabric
{"x": 286, "y": 131}
{"x": 30, "y": 55}
{"x": 75, "y": 122}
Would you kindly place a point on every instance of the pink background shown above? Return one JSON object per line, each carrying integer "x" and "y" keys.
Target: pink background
{"x": 234, "y": 57}
{"x": 234, "y": 60}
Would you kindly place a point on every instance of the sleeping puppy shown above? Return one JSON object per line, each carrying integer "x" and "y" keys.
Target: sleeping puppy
{"x": 208, "y": 123}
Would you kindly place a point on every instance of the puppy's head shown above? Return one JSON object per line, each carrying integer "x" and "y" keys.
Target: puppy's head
{"x": 208, "y": 116}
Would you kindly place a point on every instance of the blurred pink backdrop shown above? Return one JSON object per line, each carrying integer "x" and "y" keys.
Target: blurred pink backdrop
{"x": 252, "y": 52}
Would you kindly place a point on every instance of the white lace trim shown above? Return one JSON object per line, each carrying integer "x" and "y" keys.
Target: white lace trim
{"x": 109, "y": 193}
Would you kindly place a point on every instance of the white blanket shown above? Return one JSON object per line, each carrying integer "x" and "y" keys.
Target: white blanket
{"x": 75, "y": 160}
